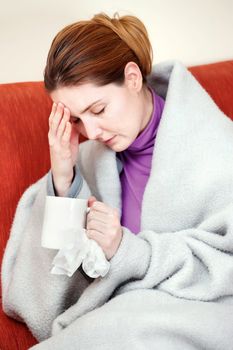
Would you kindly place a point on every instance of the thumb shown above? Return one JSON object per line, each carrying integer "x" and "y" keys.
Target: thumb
{"x": 91, "y": 200}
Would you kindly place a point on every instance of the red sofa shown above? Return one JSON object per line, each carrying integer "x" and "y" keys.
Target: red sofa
{"x": 24, "y": 111}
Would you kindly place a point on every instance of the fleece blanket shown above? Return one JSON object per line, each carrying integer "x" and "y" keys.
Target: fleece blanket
{"x": 170, "y": 286}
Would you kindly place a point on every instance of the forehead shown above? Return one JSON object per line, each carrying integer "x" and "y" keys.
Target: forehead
{"x": 77, "y": 98}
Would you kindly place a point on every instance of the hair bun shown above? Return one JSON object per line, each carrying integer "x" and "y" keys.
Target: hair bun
{"x": 133, "y": 32}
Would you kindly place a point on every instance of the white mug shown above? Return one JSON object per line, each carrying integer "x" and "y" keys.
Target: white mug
{"x": 63, "y": 217}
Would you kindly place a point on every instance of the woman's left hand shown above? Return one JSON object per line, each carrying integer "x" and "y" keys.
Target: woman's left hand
{"x": 103, "y": 226}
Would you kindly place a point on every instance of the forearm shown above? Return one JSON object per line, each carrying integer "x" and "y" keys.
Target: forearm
{"x": 192, "y": 264}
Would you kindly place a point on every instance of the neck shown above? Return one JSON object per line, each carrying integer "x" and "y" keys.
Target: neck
{"x": 148, "y": 107}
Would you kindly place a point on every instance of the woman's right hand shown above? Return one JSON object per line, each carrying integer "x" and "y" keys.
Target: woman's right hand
{"x": 63, "y": 146}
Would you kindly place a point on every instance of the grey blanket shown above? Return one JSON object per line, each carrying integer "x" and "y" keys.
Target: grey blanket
{"x": 170, "y": 286}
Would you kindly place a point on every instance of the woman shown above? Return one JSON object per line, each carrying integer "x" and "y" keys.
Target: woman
{"x": 161, "y": 207}
{"x": 104, "y": 96}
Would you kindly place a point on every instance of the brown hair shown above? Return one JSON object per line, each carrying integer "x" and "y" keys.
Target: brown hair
{"x": 97, "y": 50}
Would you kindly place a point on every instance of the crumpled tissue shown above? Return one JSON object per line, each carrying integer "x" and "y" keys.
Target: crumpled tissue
{"x": 83, "y": 251}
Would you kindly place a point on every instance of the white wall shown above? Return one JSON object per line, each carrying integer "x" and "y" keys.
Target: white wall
{"x": 193, "y": 31}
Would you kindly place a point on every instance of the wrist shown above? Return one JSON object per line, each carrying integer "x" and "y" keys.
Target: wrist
{"x": 61, "y": 186}
{"x": 60, "y": 191}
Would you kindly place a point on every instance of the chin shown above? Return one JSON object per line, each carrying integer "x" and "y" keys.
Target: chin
{"x": 119, "y": 147}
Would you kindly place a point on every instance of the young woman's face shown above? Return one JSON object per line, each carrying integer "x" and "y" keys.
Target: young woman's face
{"x": 111, "y": 114}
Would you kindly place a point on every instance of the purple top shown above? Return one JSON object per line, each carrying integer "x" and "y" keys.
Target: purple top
{"x": 136, "y": 161}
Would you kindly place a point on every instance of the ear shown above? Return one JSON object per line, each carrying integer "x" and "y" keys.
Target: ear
{"x": 133, "y": 76}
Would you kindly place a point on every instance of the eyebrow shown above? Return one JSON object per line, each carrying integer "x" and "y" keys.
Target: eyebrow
{"x": 93, "y": 103}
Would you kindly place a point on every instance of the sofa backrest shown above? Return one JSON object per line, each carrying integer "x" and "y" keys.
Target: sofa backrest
{"x": 24, "y": 156}
{"x": 217, "y": 80}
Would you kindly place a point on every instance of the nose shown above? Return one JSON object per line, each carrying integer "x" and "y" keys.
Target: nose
{"x": 92, "y": 130}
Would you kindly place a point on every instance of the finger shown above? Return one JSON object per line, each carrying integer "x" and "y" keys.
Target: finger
{"x": 98, "y": 226}
{"x": 91, "y": 200}
{"x": 54, "y": 108}
{"x": 62, "y": 126}
{"x": 53, "y": 112}
{"x": 55, "y": 121}
{"x": 103, "y": 208}
{"x": 96, "y": 236}
{"x": 102, "y": 240}
{"x": 65, "y": 139}
{"x": 98, "y": 216}
{"x": 74, "y": 140}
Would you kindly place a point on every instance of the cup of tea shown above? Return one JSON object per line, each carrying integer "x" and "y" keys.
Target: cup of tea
{"x": 63, "y": 218}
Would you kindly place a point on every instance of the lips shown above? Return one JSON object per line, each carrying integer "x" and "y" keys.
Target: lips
{"x": 109, "y": 140}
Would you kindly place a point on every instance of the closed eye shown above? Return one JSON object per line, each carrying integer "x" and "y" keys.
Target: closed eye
{"x": 77, "y": 120}
{"x": 100, "y": 112}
